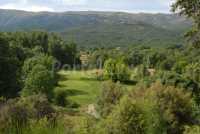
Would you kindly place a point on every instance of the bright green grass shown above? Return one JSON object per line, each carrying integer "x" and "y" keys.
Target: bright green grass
{"x": 82, "y": 86}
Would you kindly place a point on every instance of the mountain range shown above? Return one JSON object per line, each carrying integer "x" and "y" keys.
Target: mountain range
{"x": 101, "y": 29}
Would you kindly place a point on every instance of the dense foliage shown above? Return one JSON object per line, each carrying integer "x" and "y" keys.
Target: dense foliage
{"x": 192, "y": 10}
{"x": 158, "y": 109}
{"x": 110, "y": 96}
{"x": 172, "y": 106}
{"x": 9, "y": 69}
{"x": 30, "y": 57}
{"x": 145, "y": 90}
{"x": 116, "y": 70}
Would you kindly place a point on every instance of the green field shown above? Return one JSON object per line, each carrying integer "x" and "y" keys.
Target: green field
{"x": 82, "y": 87}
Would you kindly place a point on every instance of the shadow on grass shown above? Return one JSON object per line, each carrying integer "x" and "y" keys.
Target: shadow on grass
{"x": 88, "y": 79}
{"x": 74, "y": 92}
{"x": 130, "y": 82}
{"x": 62, "y": 78}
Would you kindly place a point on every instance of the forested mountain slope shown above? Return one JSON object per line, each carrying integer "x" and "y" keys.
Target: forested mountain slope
{"x": 94, "y": 29}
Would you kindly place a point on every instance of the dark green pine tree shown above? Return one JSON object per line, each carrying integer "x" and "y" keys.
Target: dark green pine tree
{"x": 9, "y": 85}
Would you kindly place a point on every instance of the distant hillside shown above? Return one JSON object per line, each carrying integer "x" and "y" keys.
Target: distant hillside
{"x": 95, "y": 29}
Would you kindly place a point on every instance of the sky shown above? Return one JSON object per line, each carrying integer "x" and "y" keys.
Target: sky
{"x": 135, "y": 6}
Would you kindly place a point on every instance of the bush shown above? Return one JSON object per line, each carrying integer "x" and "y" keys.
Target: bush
{"x": 109, "y": 97}
{"x": 155, "y": 110}
{"x": 192, "y": 130}
{"x": 180, "y": 81}
{"x": 13, "y": 117}
{"x": 43, "y": 126}
{"x": 153, "y": 121}
{"x": 126, "y": 118}
{"x": 60, "y": 97}
{"x": 39, "y": 107}
{"x": 85, "y": 125}
{"x": 17, "y": 115}
{"x": 179, "y": 66}
{"x": 193, "y": 72}
{"x": 44, "y": 109}
{"x": 176, "y": 106}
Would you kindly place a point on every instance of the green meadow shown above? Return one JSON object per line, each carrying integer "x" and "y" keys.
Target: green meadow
{"x": 82, "y": 87}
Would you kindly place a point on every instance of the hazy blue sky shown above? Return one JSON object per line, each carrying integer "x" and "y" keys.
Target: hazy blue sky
{"x": 152, "y": 6}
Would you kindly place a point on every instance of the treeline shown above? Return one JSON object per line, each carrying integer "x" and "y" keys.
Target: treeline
{"x": 26, "y": 56}
{"x": 28, "y": 67}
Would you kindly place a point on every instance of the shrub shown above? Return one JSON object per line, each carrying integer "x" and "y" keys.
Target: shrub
{"x": 85, "y": 125}
{"x": 13, "y": 117}
{"x": 153, "y": 121}
{"x": 155, "y": 110}
{"x": 60, "y": 97}
{"x": 180, "y": 81}
{"x": 39, "y": 107}
{"x": 43, "y": 109}
{"x": 192, "y": 130}
{"x": 179, "y": 66}
{"x": 167, "y": 64}
{"x": 176, "y": 106}
{"x": 109, "y": 96}
{"x": 126, "y": 118}
{"x": 193, "y": 72}
{"x": 43, "y": 126}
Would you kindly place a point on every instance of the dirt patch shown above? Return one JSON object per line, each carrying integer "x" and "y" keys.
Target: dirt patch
{"x": 91, "y": 110}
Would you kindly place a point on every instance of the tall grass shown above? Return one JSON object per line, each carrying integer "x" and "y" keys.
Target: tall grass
{"x": 42, "y": 126}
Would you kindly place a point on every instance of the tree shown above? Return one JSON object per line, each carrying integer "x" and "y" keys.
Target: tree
{"x": 191, "y": 9}
{"x": 39, "y": 80}
{"x": 135, "y": 58}
{"x": 116, "y": 70}
{"x": 188, "y": 8}
{"x": 9, "y": 69}
{"x": 41, "y": 59}
{"x": 62, "y": 51}
{"x": 153, "y": 58}
{"x": 179, "y": 66}
{"x": 98, "y": 58}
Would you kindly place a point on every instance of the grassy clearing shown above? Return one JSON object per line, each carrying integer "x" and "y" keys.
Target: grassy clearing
{"x": 82, "y": 87}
